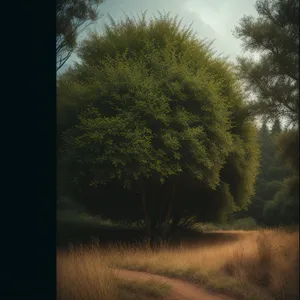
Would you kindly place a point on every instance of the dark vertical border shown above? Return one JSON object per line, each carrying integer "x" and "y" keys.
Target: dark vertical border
{"x": 28, "y": 117}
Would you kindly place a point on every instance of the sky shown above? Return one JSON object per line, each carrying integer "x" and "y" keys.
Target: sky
{"x": 212, "y": 19}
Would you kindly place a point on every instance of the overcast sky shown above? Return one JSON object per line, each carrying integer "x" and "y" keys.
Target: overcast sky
{"x": 212, "y": 19}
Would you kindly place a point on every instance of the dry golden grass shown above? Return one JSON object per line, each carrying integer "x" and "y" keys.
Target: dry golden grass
{"x": 260, "y": 265}
{"x": 79, "y": 277}
{"x": 82, "y": 274}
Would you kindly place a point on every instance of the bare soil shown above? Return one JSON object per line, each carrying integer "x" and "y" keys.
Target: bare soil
{"x": 180, "y": 290}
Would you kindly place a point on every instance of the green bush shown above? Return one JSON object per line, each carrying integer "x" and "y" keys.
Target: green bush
{"x": 239, "y": 224}
{"x": 244, "y": 224}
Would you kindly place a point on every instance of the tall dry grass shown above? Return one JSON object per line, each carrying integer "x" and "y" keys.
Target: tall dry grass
{"x": 270, "y": 261}
{"x": 80, "y": 276}
{"x": 260, "y": 265}
{"x": 83, "y": 274}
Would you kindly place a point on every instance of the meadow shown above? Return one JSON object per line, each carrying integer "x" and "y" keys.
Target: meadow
{"x": 251, "y": 265}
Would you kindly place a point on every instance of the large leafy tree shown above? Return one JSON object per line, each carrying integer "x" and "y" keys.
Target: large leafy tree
{"x": 72, "y": 16}
{"x": 151, "y": 117}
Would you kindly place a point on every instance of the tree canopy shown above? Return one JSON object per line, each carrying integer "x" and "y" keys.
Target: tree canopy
{"x": 151, "y": 117}
{"x": 72, "y": 16}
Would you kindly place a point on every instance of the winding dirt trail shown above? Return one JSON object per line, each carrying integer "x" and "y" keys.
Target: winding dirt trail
{"x": 180, "y": 290}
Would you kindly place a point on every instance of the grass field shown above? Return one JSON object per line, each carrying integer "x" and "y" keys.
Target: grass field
{"x": 256, "y": 265}
{"x": 81, "y": 275}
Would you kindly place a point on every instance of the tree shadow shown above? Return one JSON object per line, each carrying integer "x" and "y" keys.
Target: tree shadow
{"x": 195, "y": 238}
{"x": 86, "y": 234}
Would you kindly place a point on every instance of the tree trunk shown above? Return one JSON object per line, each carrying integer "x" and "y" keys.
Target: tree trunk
{"x": 175, "y": 222}
{"x": 157, "y": 225}
{"x": 147, "y": 220}
{"x": 164, "y": 228}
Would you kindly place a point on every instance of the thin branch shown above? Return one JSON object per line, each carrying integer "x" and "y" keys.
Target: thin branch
{"x": 62, "y": 61}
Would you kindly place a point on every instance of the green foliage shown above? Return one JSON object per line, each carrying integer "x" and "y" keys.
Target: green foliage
{"x": 276, "y": 128}
{"x": 149, "y": 108}
{"x": 288, "y": 152}
{"x": 272, "y": 174}
{"x": 243, "y": 224}
{"x": 288, "y": 148}
{"x": 247, "y": 223}
{"x": 274, "y": 77}
{"x": 284, "y": 209}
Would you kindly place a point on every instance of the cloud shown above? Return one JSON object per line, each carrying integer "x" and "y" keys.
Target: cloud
{"x": 222, "y": 17}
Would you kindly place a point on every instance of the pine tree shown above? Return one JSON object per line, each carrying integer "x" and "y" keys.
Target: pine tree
{"x": 274, "y": 77}
{"x": 276, "y": 128}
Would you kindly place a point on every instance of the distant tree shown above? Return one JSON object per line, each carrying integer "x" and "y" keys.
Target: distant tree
{"x": 288, "y": 148}
{"x": 276, "y": 128}
{"x": 284, "y": 208}
{"x": 152, "y": 118}
{"x": 267, "y": 149}
{"x": 72, "y": 17}
{"x": 272, "y": 174}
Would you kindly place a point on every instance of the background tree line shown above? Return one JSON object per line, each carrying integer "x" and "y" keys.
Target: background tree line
{"x": 271, "y": 205}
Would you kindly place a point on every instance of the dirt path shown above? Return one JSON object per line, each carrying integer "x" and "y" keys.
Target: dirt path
{"x": 180, "y": 290}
